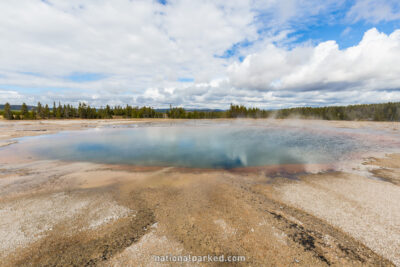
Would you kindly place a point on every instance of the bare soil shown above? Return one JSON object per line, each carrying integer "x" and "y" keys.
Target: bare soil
{"x": 82, "y": 214}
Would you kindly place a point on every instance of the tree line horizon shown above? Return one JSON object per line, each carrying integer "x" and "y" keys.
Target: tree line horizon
{"x": 370, "y": 112}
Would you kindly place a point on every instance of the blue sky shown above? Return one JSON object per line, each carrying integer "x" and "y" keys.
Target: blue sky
{"x": 80, "y": 77}
{"x": 200, "y": 53}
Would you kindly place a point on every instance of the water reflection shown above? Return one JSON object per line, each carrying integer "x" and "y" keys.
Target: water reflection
{"x": 204, "y": 145}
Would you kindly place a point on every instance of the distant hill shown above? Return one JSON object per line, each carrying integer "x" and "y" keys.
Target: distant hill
{"x": 164, "y": 110}
{"x": 16, "y": 107}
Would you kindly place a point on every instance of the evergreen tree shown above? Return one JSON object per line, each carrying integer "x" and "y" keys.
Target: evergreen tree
{"x": 82, "y": 111}
{"x": 54, "y": 110}
{"x": 33, "y": 114}
{"x": 65, "y": 112}
{"x": 24, "y": 111}
{"x": 46, "y": 112}
{"x": 107, "y": 112}
{"x": 59, "y": 111}
{"x": 128, "y": 111}
{"x": 8, "y": 115}
{"x": 40, "y": 110}
{"x": 378, "y": 112}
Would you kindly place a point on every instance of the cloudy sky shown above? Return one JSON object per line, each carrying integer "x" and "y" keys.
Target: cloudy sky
{"x": 200, "y": 53}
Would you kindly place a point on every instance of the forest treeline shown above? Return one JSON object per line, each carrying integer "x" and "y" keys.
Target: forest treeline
{"x": 373, "y": 112}
{"x": 366, "y": 112}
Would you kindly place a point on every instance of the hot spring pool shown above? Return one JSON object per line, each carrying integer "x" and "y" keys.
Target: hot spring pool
{"x": 198, "y": 145}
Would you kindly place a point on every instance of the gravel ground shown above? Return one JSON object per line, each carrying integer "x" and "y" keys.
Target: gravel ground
{"x": 64, "y": 213}
{"x": 366, "y": 209}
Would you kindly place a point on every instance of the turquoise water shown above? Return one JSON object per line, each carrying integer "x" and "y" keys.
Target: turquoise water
{"x": 200, "y": 145}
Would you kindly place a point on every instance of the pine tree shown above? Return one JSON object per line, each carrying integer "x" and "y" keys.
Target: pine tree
{"x": 7, "y": 112}
{"x": 46, "y": 112}
{"x": 34, "y": 114}
{"x": 24, "y": 111}
{"x": 54, "y": 110}
{"x": 108, "y": 112}
{"x": 65, "y": 112}
{"x": 59, "y": 111}
{"x": 40, "y": 110}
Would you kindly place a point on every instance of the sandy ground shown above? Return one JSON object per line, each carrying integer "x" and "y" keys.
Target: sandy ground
{"x": 15, "y": 129}
{"x": 64, "y": 213}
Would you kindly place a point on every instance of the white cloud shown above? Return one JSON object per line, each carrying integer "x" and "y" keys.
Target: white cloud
{"x": 375, "y": 10}
{"x": 370, "y": 65}
{"x": 12, "y": 97}
{"x": 346, "y": 32}
{"x": 142, "y": 49}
